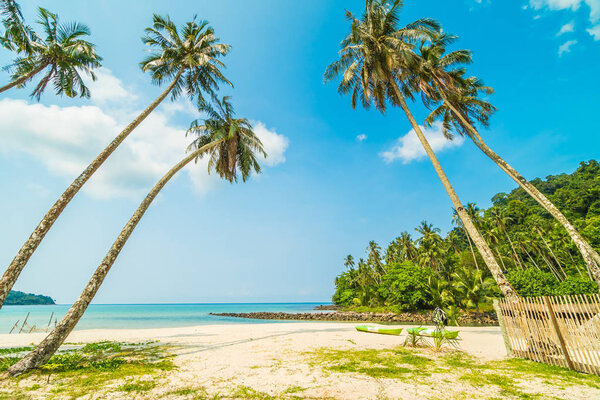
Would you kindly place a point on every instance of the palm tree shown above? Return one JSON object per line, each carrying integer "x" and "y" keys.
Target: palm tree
{"x": 63, "y": 53}
{"x": 376, "y": 60}
{"x": 456, "y": 220}
{"x": 472, "y": 288}
{"x": 374, "y": 259}
{"x": 349, "y": 262}
{"x": 407, "y": 246}
{"x": 461, "y": 106}
{"x": 231, "y": 146}
{"x": 502, "y": 220}
{"x": 190, "y": 59}
{"x": 17, "y": 35}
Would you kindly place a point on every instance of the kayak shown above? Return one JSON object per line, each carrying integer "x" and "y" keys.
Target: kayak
{"x": 432, "y": 332}
{"x": 379, "y": 329}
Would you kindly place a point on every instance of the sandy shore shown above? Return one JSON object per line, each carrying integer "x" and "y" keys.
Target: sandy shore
{"x": 482, "y": 342}
{"x": 272, "y": 358}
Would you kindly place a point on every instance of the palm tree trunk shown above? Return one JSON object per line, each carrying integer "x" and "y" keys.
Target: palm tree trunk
{"x": 473, "y": 254}
{"x": 551, "y": 252}
{"x": 531, "y": 258}
{"x": 23, "y": 79}
{"x": 42, "y": 353}
{"x": 507, "y": 290}
{"x": 513, "y": 249}
{"x": 590, "y": 256}
{"x": 18, "y": 263}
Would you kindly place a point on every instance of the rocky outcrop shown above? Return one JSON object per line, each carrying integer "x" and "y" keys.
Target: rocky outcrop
{"x": 422, "y": 318}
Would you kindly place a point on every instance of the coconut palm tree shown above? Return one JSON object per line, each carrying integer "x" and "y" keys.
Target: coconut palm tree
{"x": 189, "y": 58}
{"x": 472, "y": 288}
{"x": 17, "y": 35}
{"x": 376, "y": 60}
{"x": 61, "y": 55}
{"x": 374, "y": 259}
{"x": 231, "y": 147}
{"x": 408, "y": 250}
{"x": 461, "y": 105}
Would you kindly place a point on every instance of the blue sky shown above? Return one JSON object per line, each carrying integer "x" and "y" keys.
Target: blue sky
{"x": 336, "y": 178}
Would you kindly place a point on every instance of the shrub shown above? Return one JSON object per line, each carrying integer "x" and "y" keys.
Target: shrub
{"x": 532, "y": 282}
{"x": 405, "y": 285}
{"x": 576, "y": 285}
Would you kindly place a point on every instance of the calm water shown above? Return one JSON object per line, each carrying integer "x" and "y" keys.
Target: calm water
{"x": 122, "y": 316}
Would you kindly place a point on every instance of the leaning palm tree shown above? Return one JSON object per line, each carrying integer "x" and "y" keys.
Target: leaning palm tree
{"x": 190, "y": 59}
{"x": 232, "y": 148}
{"x": 17, "y": 34}
{"x": 376, "y": 59}
{"x": 60, "y": 55}
{"x": 461, "y": 105}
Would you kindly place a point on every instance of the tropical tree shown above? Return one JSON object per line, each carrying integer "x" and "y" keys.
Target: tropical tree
{"x": 60, "y": 55}
{"x": 374, "y": 259}
{"x": 461, "y": 106}
{"x": 231, "y": 147}
{"x": 17, "y": 35}
{"x": 376, "y": 61}
{"x": 190, "y": 59}
{"x": 471, "y": 288}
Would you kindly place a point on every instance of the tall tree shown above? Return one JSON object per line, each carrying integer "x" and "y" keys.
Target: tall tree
{"x": 62, "y": 53}
{"x": 376, "y": 60}
{"x": 17, "y": 34}
{"x": 231, "y": 147}
{"x": 190, "y": 59}
{"x": 461, "y": 106}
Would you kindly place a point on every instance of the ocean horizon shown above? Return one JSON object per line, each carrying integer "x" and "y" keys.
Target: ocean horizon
{"x": 145, "y": 315}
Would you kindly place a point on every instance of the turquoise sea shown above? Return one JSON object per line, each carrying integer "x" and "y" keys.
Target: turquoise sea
{"x": 125, "y": 316}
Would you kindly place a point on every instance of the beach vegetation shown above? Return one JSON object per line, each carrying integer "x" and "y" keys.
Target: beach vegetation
{"x": 94, "y": 367}
{"x": 188, "y": 58}
{"x": 377, "y": 66}
{"x": 502, "y": 379}
{"x": 61, "y": 54}
{"x": 432, "y": 270}
{"x": 232, "y": 149}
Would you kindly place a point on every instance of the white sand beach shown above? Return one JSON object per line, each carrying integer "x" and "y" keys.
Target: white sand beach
{"x": 272, "y": 358}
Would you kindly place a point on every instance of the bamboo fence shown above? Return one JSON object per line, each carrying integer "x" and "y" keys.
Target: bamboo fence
{"x": 559, "y": 330}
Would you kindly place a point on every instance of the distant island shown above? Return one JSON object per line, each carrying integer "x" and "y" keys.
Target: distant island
{"x": 16, "y": 298}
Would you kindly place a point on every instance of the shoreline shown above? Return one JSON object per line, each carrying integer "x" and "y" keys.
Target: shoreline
{"x": 476, "y": 339}
{"x": 415, "y": 318}
{"x": 313, "y": 360}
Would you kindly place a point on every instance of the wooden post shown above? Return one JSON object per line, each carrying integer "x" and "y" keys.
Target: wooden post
{"x": 50, "y": 321}
{"x": 561, "y": 340}
{"x": 24, "y": 322}
{"x": 14, "y": 326}
{"x": 509, "y": 351}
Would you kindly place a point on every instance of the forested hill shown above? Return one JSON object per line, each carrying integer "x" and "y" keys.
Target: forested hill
{"x": 16, "y": 298}
{"x": 422, "y": 268}
{"x": 577, "y": 195}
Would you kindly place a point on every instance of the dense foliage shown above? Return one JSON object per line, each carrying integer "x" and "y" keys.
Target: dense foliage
{"x": 535, "y": 252}
{"x": 17, "y": 298}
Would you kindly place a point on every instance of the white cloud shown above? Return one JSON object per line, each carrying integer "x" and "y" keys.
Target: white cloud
{"x": 108, "y": 89}
{"x": 361, "y": 138}
{"x": 595, "y": 32}
{"x": 66, "y": 139}
{"x": 573, "y": 5}
{"x": 570, "y": 27}
{"x": 408, "y": 147}
{"x": 566, "y": 47}
{"x": 274, "y": 144}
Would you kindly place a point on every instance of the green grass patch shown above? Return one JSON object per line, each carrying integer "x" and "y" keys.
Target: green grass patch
{"x": 137, "y": 386}
{"x": 395, "y": 363}
{"x": 94, "y": 368}
{"x": 13, "y": 350}
{"x": 246, "y": 392}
